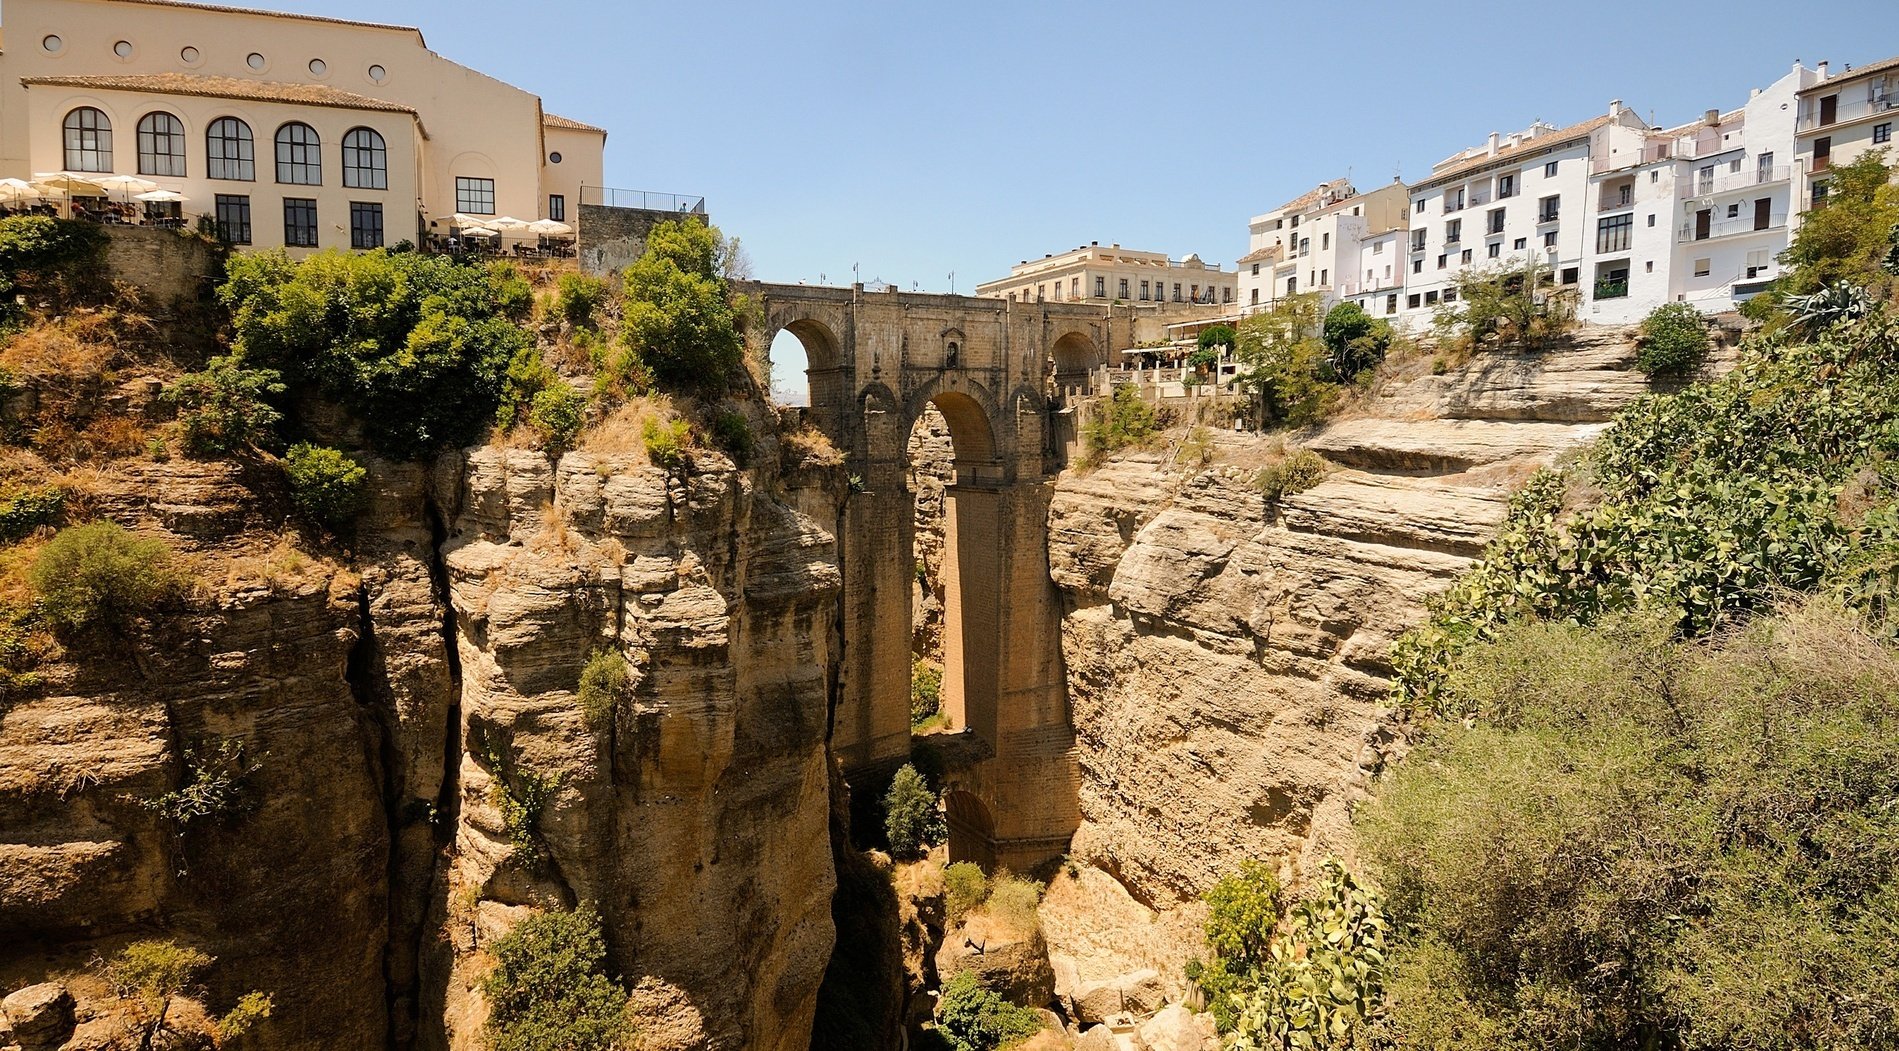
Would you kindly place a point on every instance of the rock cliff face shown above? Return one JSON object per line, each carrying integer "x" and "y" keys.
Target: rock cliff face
{"x": 1227, "y": 655}
{"x": 392, "y": 701}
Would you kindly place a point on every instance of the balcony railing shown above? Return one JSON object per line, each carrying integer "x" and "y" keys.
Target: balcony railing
{"x": 1547, "y": 217}
{"x": 1478, "y": 197}
{"x": 645, "y": 200}
{"x": 1616, "y": 200}
{"x": 1700, "y": 186}
{"x": 1849, "y": 111}
{"x": 1612, "y": 289}
{"x": 1730, "y": 227}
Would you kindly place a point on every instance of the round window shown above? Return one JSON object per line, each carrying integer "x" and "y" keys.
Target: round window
{"x": 254, "y": 60}
{"x": 553, "y": 158}
{"x": 318, "y": 67}
{"x": 377, "y": 73}
{"x": 52, "y": 44}
{"x": 123, "y": 49}
{"x": 189, "y": 54}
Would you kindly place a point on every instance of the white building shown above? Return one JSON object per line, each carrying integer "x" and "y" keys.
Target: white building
{"x": 1331, "y": 240}
{"x": 1840, "y": 117}
{"x": 1113, "y": 274}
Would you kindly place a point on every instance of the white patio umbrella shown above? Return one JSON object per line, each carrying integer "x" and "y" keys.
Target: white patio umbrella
{"x": 126, "y": 184}
{"x": 162, "y": 196}
{"x": 508, "y": 224}
{"x": 549, "y": 226}
{"x": 478, "y": 231}
{"x": 468, "y": 222}
{"x": 67, "y": 182}
{"x": 12, "y": 190}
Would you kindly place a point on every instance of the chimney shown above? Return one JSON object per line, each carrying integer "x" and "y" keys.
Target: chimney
{"x": 1753, "y": 93}
{"x": 1615, "y": 107}
{"x": 1094, "y": 244}
{"x": 1711, "y": 117}
{"x": 1821, "y": 69}
{"x": 1797, "y": 66}
{"x": 1493, "y": 144}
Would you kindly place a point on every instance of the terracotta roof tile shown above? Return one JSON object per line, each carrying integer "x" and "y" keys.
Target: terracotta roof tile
{"x": 1260, "y": 255}
{"x": 273, "y": 14}
{"x": 1311, "y": 196}
{"x": 1525, "y": 147}
{"x": 215, "y": 87}
{"x": 555, "y": 120}
{"x": 1853, "y": 74}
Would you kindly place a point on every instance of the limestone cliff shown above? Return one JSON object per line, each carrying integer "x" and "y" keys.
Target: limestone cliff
{"x": 1227, "y": 653}
{"x": 381, "y": 694}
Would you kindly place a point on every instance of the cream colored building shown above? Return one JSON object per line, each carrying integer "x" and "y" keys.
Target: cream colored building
{"x": 1840, "y": 117}
{"x": 290, "y": 129}
{"x": 1110, "y": 273}
{"x": 1331, "y": 240}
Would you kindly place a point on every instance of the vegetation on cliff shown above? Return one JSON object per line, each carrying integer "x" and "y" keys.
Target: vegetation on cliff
{"x": 550, "y": 989}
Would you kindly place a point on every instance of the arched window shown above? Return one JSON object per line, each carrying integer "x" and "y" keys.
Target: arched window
{"x": 229, "y": 150}
{"x": 88, "y": 141}
{"x": 299, "y": 160}
{"x": 365, "y": 160}
{"x": 161, "y": 145}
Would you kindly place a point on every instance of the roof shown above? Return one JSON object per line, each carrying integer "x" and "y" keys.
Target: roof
{"x": 555, "y": 120}
{"x": 1852, "y": 74}
{"x": 1310, "y": 197}
{"x": 207, "y": 86}
{"x": 1524, "y": 147}
{"x": 273, "y": 14}
{"x": 1260, "y": 255}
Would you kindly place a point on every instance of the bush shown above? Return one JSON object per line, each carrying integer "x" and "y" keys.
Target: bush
{"x": 227, "y": 407}
{"x": 44, "y": 256}
{"x": 1285, "y": 362}
{"x": 1298, "y": 471}
{"x": 215, "y": 786}
{"x": 1643, "y": 842}
{"x": 732, "y": 433}
{"x": 521, "y": 795}
{"x": 1354, "y": 341}
{"x": 602, "y": 684}
{"x": 1322, "y": 983}
{"x": 28, "y": 509}
{"x": 975, "y": 1019}
{"x": 1242, "y": 912}
{"x": 577, "y": 296}
{"x": 912, "y": 820}
{"x": 1215, "y": 336}
{"x": 1123, "y": 420}
{"x": 964, "y": 888}
{"x": 1673, "y": 339}
{"x": 153, "y": 972}
{"x": 100, "y": 575}
{"x": 926, "y": 689}
{"x": 676, "y": 319}
{"x": 416, "y": 346}
{"x": 558, "y": 412}
{"x": 250, "y": 1009}
{"x": 325, "y": 484}
{"x": 1505, "y": 305}
{"x": 1014, "y": 901}
{"x": 550, "y": 990}
{"x": 666, "y": 443}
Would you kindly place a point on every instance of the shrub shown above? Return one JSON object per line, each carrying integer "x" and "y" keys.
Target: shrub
{"x": 666, "y": 443}
{"x": 732, "y": 433}
{"x": 1673, "y": 339}
{"x": 41, "y": 255}
{"x": 975, "y": 1019}
{"x": 577, "y": 296}
{"x": 926, "y": 686}
{"x": 153, "y": 972}
{"x": 521, "y": 795}
{"x": 676, "y": 318}
{"x": 416, "y": 346}
{"x": 964, "y": 888}
{"x": 1298, "y": 471}
{"x": 1285, "y": 362}
{"x": 1014, "y": 901}
{"x": 1644, "y": 842}
{"x": 1847, "y": 242}
{"x": 528, "y": 375}
{"x": 912, "y": 820}
{"x": 250, "y": 1009}
{"x": 558, "y": 412}
{"x": 550, "y": 989}
{"x": 1242, "y": 912}
{"x": 227, "y": 407}
{"x": 325, "y": 484}
{"x": 28, "y": 509}
{"x": 215, "y": 786}
{"x": 1354, "y": 340}
{"x": 1215, "y": 336}
{"x": 101, "y": 575}
{"x": 1322, "y": 983}
{"x": 1123, "y": 420}
{"x": 1504, "y": 305}
{"x": 602, "y": 684}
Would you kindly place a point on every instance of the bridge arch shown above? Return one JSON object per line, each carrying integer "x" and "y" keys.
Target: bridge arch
{"x": 975, "y": 419}
{"x": 972, "y": 829}
{"x": 1075, "y": 354}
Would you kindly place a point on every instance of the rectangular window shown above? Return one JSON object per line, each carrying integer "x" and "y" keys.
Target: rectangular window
{"x": 1418, "y": 206}
{"x": 1255, "y": 269}
{"x": 1411, "y": 301}
{"x": 1305, "y": 246}
{"x": 1882, "y": 132}
{"x": 1430, "y": 298}
{"x": 557, "y": 207}
{"x": 1417, "y": 240}
{"x": 1734, "y": 166}
{"x": 1453, "y": 231}
{"x": 1417, "y": 266}
{"x": 1496, "y": 220}
{"x": 1074, "y": 288}
{"x": 1651, "y": 219}
{"x": 1506, "y": 186}
{"x": 1756, "y": 263}
{"x": 1391, "y": 303}
{"x": 1819, "y": 194}
{"x": 474, "y": 196}
{"x": 1613, "y": 233}
{"x": 234, "y": 218}
{"x": 1520, "y": 244}
{"x": 365, "y": 224}
{"x": 1548, "y": 209}
{"x": 1464, "y": 256}
{"x": 1123, "y": 288}
{"x": 1325, "y": 241}
{"x": 1443, "y": 261}
{"x": 1570, "y": 275}
{"x": 1549, "y": 170}
{"x": 1378, "y": 248}
{"x": 300, "y": 222}
{"x": 1764, "y": 167}
{"x": 1176, "y": 291}
{"x": 1325, "y": 277}
{"x": 1549, "y": 239}
{"x": 1255, "y": 295}
{"x": 1101, "y": 287}
{"x": 1226, "y": 294}
{"x": 1144, "y": 287}
{"x": 1496, "y": 249}
{"x": 1703, "y": 266}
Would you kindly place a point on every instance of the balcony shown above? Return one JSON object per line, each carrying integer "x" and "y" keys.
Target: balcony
{"x": 1849, "y": 112}
{"x": 1543, "y": 218}
{"x": 1479, "y": 197}
{"x": 643, "y": 200}
{"x": 1612, "y": 289}
{"x": 1616, "y": 199}
{"x": 1730, "y": 228}
{"x": 1728, "y": 182}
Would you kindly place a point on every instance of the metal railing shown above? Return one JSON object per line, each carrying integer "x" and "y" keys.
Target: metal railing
{"x": 1729, "y": 227}
{"x": 1698, "y": 186}
{"x": 645, "y": 200}
{"x": 1851, "y": 111}
{"x": 1612, "y": 289}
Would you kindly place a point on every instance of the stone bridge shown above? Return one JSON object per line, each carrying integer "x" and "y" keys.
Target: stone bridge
{"x": 877, "y": 361}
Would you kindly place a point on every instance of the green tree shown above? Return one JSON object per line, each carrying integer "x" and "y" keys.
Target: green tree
{"x": 976, "y": 1019}
{"x": 677, "y": 319}
{"x": 100, "y": 575}
{"x": 325, "y": 484}
{"x": 416, "y": 346}
{"x": 227, "y": 407}
{"x": 1123, "y": 420}
{"x": 1507, "y": 305}
{"x": 550, "y": 991}
{"x": 912, "y": 820}
{"x": 1242, "y": 912}
{"x": 1847, "y": 240}
{"x": 1354, "y": 340}
{"x": 1284, "y": 357}
{"x": 1673, "y": 340}
{"x": 154, "y": 973}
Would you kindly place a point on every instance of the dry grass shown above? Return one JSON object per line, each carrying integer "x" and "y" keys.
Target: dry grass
{"x": 281, "y": 565}
{"x": 622, "y": 432}
{"x": 1013, "y": 902}
{"x": 809, "y": 447}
